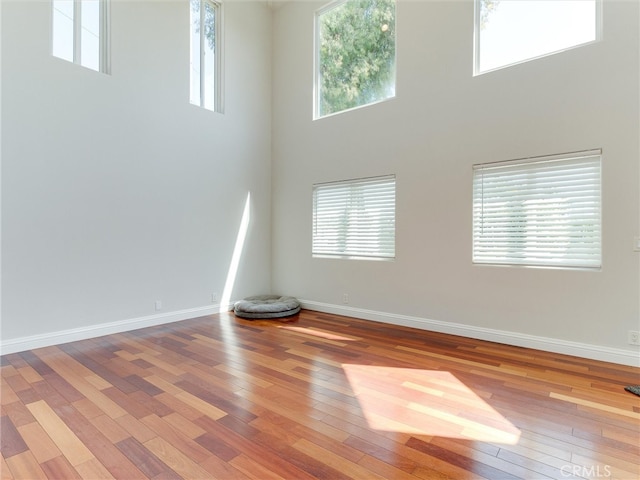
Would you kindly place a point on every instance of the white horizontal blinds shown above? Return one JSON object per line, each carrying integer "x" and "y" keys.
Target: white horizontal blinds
{"x": 539, "y": 212}
{"x": 355, "y": 218}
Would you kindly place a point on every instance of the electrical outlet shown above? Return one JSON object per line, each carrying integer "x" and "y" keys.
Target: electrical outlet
{"x": 345, "y": 298}
{"x": 214, "y": 297}
{"x": 636, "y": 244}
{"x": 158, "y": 305}
{"x": 634, "y": 337}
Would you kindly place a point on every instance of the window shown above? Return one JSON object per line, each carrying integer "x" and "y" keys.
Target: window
{"x": 543, "y": 211}
{"x": 205, "y": 54}
{"x": 79, "y": 32}
{"x": 513, "y": 31}
{"x": 355, "y": 218}
{"x": 355, "y": 54}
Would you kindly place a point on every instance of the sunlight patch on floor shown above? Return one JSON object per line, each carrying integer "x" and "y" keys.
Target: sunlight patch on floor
{"x": 315, "y": 332}
{"x": 426, "y": 402}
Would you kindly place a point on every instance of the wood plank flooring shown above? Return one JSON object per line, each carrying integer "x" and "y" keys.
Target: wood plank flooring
{"x": 316, "y": 396}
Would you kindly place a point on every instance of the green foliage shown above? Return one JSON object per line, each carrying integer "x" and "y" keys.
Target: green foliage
{"x": 487, "y": 7}
{"x": 357, "y": 54}
{"x": 209, "y": 20}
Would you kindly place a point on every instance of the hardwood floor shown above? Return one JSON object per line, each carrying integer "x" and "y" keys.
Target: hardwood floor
{"x": 318, "y": 396}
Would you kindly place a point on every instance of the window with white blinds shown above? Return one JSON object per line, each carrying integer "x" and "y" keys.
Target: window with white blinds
{"x": 355, "y": 218}
{"x": 539, "y": 212}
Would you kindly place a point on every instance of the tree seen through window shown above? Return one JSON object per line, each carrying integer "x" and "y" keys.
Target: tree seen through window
{"x": 356, "y": 54}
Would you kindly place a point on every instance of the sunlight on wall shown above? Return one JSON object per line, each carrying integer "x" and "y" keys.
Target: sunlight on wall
{"x": 426, "y": 402}
{"x": 225, "y": 300}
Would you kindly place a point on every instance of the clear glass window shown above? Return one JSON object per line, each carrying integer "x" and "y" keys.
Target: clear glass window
{"x": 513, "y": 31}
{"x": 79, "y": 32}
{"x": 205, "y": 54}
{"x": 355, "y": 54}
{"x": 90, "y": 34}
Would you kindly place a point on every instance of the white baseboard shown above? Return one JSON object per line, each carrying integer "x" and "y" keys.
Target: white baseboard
{"x": 56, "y": 338}
{"x": 584, "y": 350}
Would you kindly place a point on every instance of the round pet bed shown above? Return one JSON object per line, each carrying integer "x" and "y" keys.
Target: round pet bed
{"x": 266, "y": 306}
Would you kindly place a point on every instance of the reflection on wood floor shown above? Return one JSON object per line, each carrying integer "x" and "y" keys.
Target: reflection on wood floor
{"x": 314, "y": 396}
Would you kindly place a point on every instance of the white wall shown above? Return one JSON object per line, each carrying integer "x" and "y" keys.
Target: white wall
{"x": 116, "y": 192}
{"x": 443, "y": 121}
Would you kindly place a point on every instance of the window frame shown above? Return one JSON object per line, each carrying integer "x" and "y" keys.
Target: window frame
{"x": 477, "y": 44}
{"x": 317, "y": 77}
{"x": 104, "y": 64}
{"x": 354, "y": 229}
{"x": 527, "y": 166}
{"x": 218, "y": 104}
